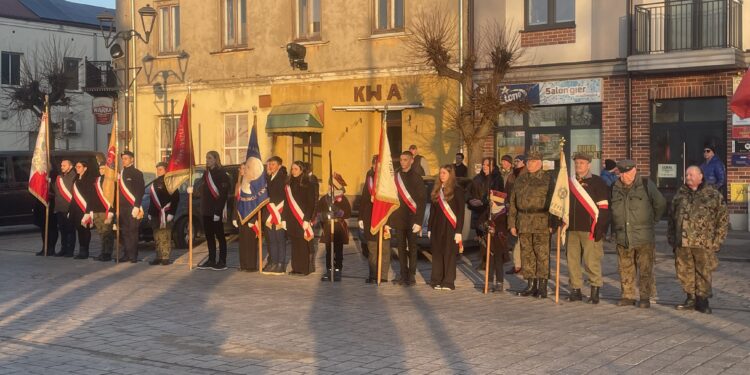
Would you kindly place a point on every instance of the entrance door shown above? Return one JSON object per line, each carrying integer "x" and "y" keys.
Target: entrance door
{"x": 307, "y": 148}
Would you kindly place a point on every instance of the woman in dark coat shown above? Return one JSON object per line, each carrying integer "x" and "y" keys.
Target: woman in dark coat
{"x": 445, "y": 227}
{"x": 80, "y": 211}
{"x": 213, "y": 196}
{"x": 248, "y": 237}
{"x": 495, "y": 224}
{"x": 489, "y": 178}
{"x": 299, "y": 208}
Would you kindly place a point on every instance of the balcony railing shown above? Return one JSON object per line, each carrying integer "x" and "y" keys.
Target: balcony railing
{"x": 101, "y": 79}
{"x": 681, "y": 25}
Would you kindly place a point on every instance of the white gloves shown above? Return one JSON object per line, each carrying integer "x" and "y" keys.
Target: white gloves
{"x": 109, "y": 218}
{"x": 150, "y": 218}
{"x": 428, "y": 234}
{"x": 283, "y": 224}
{"x": 134, "y": 212}
{"x": 416, "y": 228}
{"x": 170, "y": 217}
{"x": 85, "y": 220}
{"x": 190, "y": 190}
{"x": 305, "y": 225}
{"x": 217, "y": 218}
{"x": 234, "y": 222}
{"x": 457, "y": 238}
{"x": 361, "y": 224}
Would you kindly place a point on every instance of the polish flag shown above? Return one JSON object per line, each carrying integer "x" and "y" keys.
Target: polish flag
{"x": 40, "y": 166}
{"x": 386, "y": 193}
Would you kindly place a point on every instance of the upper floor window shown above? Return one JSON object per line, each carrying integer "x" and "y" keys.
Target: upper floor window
{"x": 234, "y": 22}
{"x": 70, "y": 72}
{"x": 389, "y": 15}
{"x": 236, "y": 134}
{"x": 10, "y": 68}
{"x": 308, "y": 19}
{"x": 549, "y": 14}
{"x": 169, "y": 28}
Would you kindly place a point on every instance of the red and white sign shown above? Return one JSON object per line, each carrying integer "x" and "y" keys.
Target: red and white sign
{"x": 103, "y": 108}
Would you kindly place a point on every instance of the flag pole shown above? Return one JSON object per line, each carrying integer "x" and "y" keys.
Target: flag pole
{"x": 117, "y": 182}
{"x": 330, "y": 212}
{"x": 260, "y": 241}
{"x": 46, "y": 206}
{"x": 190, "y": 180}
{"x": 557, "y": 255}
{"x": 489, "y": 236}
{"x": 380, "y": 252}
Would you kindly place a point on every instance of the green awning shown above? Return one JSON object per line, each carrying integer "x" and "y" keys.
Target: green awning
{"x": 300, "y": 117}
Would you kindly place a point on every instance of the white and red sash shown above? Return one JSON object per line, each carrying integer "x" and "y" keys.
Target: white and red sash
{"x": 371, "y": 187}
{"x": 297, "y": 212}
{"x": 64, "y": 191}
{"x": 274, "y": 210}
{"x": 100, "y": 194}
{"x": 80, "y": 200}
{"x": 449, "y": 214}
{"x": 405, "y": 196}
{"x": 211, "y": 185}
{"x": 162, "y": 209}
{"x": 588, "y": 203}
{"x": 125, "y": 192}
{"x": 254, "y": 228}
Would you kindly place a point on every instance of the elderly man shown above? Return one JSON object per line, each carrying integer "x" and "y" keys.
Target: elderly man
{"x": 636, "y": 207}
{"x": 697, "y": 226}
{"x": 161, "y": 215}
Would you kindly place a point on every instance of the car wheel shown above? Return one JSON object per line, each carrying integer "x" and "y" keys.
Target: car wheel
{"x": 180, "y": 233}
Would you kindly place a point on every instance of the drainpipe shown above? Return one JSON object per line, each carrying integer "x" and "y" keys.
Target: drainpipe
{"x": 629, "y": 95}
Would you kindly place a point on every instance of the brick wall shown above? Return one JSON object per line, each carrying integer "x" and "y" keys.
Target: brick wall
{"x": 548, "y": 37}
{"x": 614, "y": 118}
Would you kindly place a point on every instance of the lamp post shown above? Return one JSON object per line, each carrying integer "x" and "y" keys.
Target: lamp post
{"x": 107, "y": 27}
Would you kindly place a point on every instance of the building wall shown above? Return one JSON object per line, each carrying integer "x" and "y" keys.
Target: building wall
{"x": 30, "y": 38}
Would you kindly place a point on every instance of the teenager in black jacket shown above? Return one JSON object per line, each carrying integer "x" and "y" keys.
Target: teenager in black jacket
{"x": 213, "y": 196}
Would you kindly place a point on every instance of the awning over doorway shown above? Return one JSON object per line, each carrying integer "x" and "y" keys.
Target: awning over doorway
{"x": 298, "y": 117}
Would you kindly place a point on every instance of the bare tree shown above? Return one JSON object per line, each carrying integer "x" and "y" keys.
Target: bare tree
{"x": 434, "y": 43}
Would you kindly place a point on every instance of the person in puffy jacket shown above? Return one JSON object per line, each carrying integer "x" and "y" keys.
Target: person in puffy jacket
{"x": 713, "y": 168}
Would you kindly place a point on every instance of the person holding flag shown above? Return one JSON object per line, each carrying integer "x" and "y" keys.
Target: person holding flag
{"x": 39, "y": 187}
{"x": 104, "y": 213}
{"x": 495, "y": 224}
{"x": 131, "y": 188}
{"x": 298, "y": 214}
{"x": 276, "y": 177}
{"x": 445, "y": 226}
{"x": 63, "y": 191}
{"x": 589, "y": 216}
{"x": 161, "y": 213}
{"x": 213, "y": 195}
{"x": 365, "y": 215}
{"x": 251, "y": 193}
{"x": 334, "y": 206}
{"x": 81, "y": 212}
{"x": 407, "y": 219}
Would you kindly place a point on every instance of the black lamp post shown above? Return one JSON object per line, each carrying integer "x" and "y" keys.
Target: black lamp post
{"x": 107, "y": 27}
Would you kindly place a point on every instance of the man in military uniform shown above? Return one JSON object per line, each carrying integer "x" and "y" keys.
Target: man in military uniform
{"x": 529, "y": 220}
{"x": 407, "y": 219}
{"x": 589, "y": 215}
{"x": 276, "y": 176}
{"x": 104, "y": 213}
{"x": 337, "y": 210}
{"x": 636, "y": 206}
{"x": 131, "y": 188}
{"x": 63, "y": 191}
{"x": 698, "y": 224}
{"x": 364, "y": 222}
{"x": 161, "y": 215}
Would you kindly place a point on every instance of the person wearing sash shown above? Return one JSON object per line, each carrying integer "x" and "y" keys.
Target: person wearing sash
{"x": 63, "y": 190}
{"x": 131, "y": 189}
{"x": 488, "y": 178}
{"x": 213, "y": 196}
{"x": 365, "y": 218}
{"x": 104, "y": 214}
{"x": 83, "y": 196}
{"x": 445, "y": 226}
{"x": 276, "y": 177}
{"x": 248, "y": 233}
{"x": 495, "y": 224}
{"x": 339, "y": 210}
{"x": 315, "y": 191}
{"x": 407, "y": 219}
{"x": 589, "y": 216}
{"x": 161, "y": 213}
{"x": 298, "y": 214}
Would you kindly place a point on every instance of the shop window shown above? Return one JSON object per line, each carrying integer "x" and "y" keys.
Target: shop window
{"x": 389, "y": 15}
{"x": 10, "y": 65}
{"x": 167, "y": 129}
{"x": 585, "y": 115}
{"x": 308, "y": 19}
{"x": 548, "y": 116}
{"x": 511, "y": 143}
{"x": 70, "y": 72}
{"x": 510, "y": 119}
{"x": 705, "y": 110}
{"x": 169, "y": 29}
{"x": 236, "y": 135}
{"x": 549, "y": 14}
{"x": 234, "y": 22}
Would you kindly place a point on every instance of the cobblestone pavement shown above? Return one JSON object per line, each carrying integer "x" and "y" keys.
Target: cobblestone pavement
{"x": 84, "y": 317}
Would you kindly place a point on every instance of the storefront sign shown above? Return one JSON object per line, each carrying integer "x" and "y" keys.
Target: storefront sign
{"x": 741, "y": 146}
{"x": 741, "y": 160}
{"x": 740, "y": 131}
{"x": 103, "y": 108}
{"x": 736, "y": 120}
{"x": 738, "y": 192}
{"x": 369, "y": 93}
{"x": 554, "y": 92}
{"x": 667, "y": 171}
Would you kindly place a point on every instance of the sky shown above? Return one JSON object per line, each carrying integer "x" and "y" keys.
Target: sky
{"x": 101, "y": 3}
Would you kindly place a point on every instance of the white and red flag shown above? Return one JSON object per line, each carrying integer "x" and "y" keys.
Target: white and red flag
{"x": 40, "y": 166}
{"x": 386, "y": 194}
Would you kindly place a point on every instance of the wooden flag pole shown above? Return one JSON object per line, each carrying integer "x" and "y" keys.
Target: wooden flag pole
{"x": 487, "y": 265}
{"x": 116, "y": 202}
{"x": 557, "y": 271}
{"x": 380, "y": 253}
{"x": 260, "y": 241}
{"x": 190, "y": 182}
{"x": 330, "y": 238}
{"x": 46, "y": 206}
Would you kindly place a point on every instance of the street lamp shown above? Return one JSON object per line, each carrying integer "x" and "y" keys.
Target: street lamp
{"x": 107, "y": 28}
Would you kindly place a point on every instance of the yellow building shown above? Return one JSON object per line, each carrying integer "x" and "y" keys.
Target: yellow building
{"x": 232, "y": 56}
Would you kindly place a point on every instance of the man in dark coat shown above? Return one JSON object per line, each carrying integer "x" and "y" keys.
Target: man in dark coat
{"x": 337, "y": 211}
{"x": 161, "y": 213}
{"x": 459, "y": 166}
{"x": 364, "y": 222}
{"x": 276, "y": 176}
{"x": 62, "y": 188}
{"x": 407, "y": 219}
{"x": 131, "y": 189}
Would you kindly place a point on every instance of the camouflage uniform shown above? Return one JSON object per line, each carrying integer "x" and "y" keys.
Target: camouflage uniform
{"x": 529, "y": 204}
{"x": 105, "y": 232}
{"x": 698, "y": 224}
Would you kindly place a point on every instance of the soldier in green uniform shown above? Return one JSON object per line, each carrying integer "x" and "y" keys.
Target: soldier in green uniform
{"x": 161, "y": 215}
{"x": 698, "y": 224}
{"x": 529, "y": 220}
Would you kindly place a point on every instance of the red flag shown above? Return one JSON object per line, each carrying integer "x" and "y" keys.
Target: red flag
{"x": 386, "y": 194}
{"x": 39, "y": 175}
{"x": 182, "y": 159}
{"x": 740, "y": 103}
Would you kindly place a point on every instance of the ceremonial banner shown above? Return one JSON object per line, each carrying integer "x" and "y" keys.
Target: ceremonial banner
{"x": 182, "y": 159}
{"x": 110, "y": 172}
{"x": 40, "y": 168}
{"x": 740, "y": 103}
{"x": 253, "y": 194}
{"x": 386, "y": 194}
{"x": 560, "y": 204}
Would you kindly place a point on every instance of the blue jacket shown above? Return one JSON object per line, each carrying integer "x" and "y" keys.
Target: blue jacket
{"x": 713, "y": 172}
{"x": 609, "y": 178}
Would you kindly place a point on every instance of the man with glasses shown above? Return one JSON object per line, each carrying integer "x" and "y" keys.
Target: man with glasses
{"x": 713, "y": 168}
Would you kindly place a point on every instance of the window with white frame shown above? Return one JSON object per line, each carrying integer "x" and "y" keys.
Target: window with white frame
{"x": 167, "y": 129}
{"x": 169, "y": 28}
{"x": 308, "y": 19}
{"x": 234, "y": 21}
{"x": 389, "y": 15}
{"x": 236, "y": 136}
{"x": 70, "y": 72}
{"x": 10, "y": 68}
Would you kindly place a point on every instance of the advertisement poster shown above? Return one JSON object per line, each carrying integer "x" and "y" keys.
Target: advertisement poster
{"x": 554, "y": 92}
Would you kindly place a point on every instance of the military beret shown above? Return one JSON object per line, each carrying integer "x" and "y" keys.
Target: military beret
{"x": 128, "y": 153}
{"x": 534, "y": 155}
{"x": 583, "y": 156}
{"x": 162, "y": 164}
{"x": 625, "y": 165}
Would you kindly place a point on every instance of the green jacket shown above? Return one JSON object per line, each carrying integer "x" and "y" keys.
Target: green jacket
{"x": 529, "y": 203}
{"x": 698, "y": 218}
{"x": 635, "y": 210}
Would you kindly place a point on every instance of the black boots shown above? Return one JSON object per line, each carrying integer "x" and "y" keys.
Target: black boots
{"x": 594, "y": 297}
{"x": 689, "y": 303}
{"x": 626, "y": 302}
{"x": 541, "y": 288}
{"x": 575, "y": 295}
{"x": 155, "y": 262}
{"x": 531, "y": 288}
{"x": 701, "y": 305}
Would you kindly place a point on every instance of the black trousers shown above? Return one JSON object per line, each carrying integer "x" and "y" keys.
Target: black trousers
{"x": 301, "y": 250}
{"x": 444, "y": 264}
{"x": 248, "y": 250}
{"x": 128, "y": 227}
{"x": 338, "y": 256}
{"x": 67, "y": 233}
{"x": 407, "y": 257}
{"x": 215, "y": 232}
{"x": 84, "y": 239}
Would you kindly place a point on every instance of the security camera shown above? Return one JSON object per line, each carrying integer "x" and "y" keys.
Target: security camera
{"x": 296, "y": 53}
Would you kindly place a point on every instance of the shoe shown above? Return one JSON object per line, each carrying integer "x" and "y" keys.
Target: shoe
{"x": 40, "y": 253}
{"x": 326, "y": 276}
{"x": 382, "y": 281}
{"x": 369, "y": 280}
{"x": 154, "y": 262}
{"x": 541, "y": 291}
{"x": 594, "y": 297}
{"x": 398, "y": 281}
{"x": 267, "y": 267}
{"x": 513, "y": 271}
{"x": 644, "y": 304}
{"x": 701, "y": 305}
{"x": 219, "y": 266}
{"x": 81, "y": 256}
{"x": 575, "y": 295}
{"x": 104, "y": 258}
{"x": 134, "y": 260}
{"x": 497, "y": 288}
{"x": 123, "y": 259}
{"x": 437, "y": 287}
{"x": 689, "y": 303}
{"x": 209, "y": 263}
{"x": 626, "y": 302}
{"x": 337, "y": 275}
{"x": 278, "y": 269}
{"x": 165, "y": 262}
{"x": 448, "y": 287}
{"x": 530, "y": 288}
